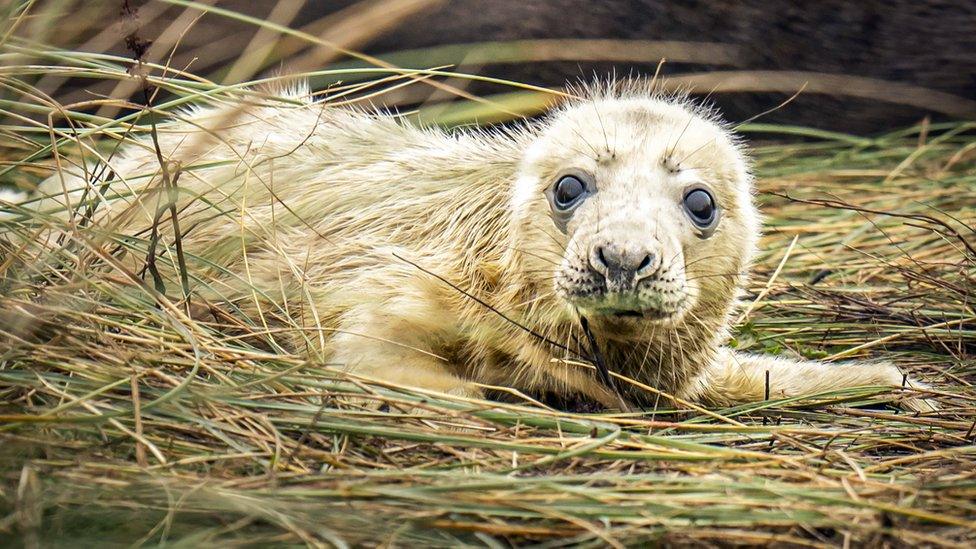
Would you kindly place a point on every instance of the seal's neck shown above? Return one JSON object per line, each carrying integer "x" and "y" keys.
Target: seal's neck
{"x": 661, "y": 356}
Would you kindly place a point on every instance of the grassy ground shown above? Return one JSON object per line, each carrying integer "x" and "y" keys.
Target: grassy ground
{"x": 126, "y": 421}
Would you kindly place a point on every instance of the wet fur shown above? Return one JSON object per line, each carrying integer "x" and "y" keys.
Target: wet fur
{"x": 428, "y": 258}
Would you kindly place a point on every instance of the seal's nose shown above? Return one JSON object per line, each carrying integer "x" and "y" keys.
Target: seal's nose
{"x": 623, "y": 266}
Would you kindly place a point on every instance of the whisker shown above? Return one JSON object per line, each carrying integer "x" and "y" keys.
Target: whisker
{"x": 692, "y": 153}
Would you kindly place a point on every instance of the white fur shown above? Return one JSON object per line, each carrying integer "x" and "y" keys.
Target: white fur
{"x": 352, "y": 234}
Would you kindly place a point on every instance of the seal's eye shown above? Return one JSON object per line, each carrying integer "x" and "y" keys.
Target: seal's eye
{"x": 568, "y": 191}
{"x": 566, "y": 194}
{"x": 701, "y": 208}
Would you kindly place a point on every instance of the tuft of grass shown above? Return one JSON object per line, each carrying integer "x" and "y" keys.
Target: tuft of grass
{"x": 124, "y": 419}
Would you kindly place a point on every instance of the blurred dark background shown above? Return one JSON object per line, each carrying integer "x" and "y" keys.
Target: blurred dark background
{"x": 864, "y": 67}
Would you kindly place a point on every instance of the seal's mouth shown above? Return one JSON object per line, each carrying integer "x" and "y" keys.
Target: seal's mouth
{"x": 633, "y": 314}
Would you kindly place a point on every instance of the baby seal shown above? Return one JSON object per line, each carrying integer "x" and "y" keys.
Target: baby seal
{"x": 616, "y": 232}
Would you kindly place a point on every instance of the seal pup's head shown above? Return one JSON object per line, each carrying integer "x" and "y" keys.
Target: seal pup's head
{"x": 636, "y": 208}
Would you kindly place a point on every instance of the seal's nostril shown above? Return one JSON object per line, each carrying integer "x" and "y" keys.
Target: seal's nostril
{"x": 645, "y": 263}
{"x": 602, "y": 258}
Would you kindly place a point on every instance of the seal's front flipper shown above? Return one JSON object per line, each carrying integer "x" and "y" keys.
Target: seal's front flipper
{"x": 736, "y": 378}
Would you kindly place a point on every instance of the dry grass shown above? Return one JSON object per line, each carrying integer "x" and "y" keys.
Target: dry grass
{"x": 124, "y": 420}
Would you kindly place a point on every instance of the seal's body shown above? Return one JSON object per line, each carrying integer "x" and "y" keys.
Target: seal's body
{"x": 452, "y": 261}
